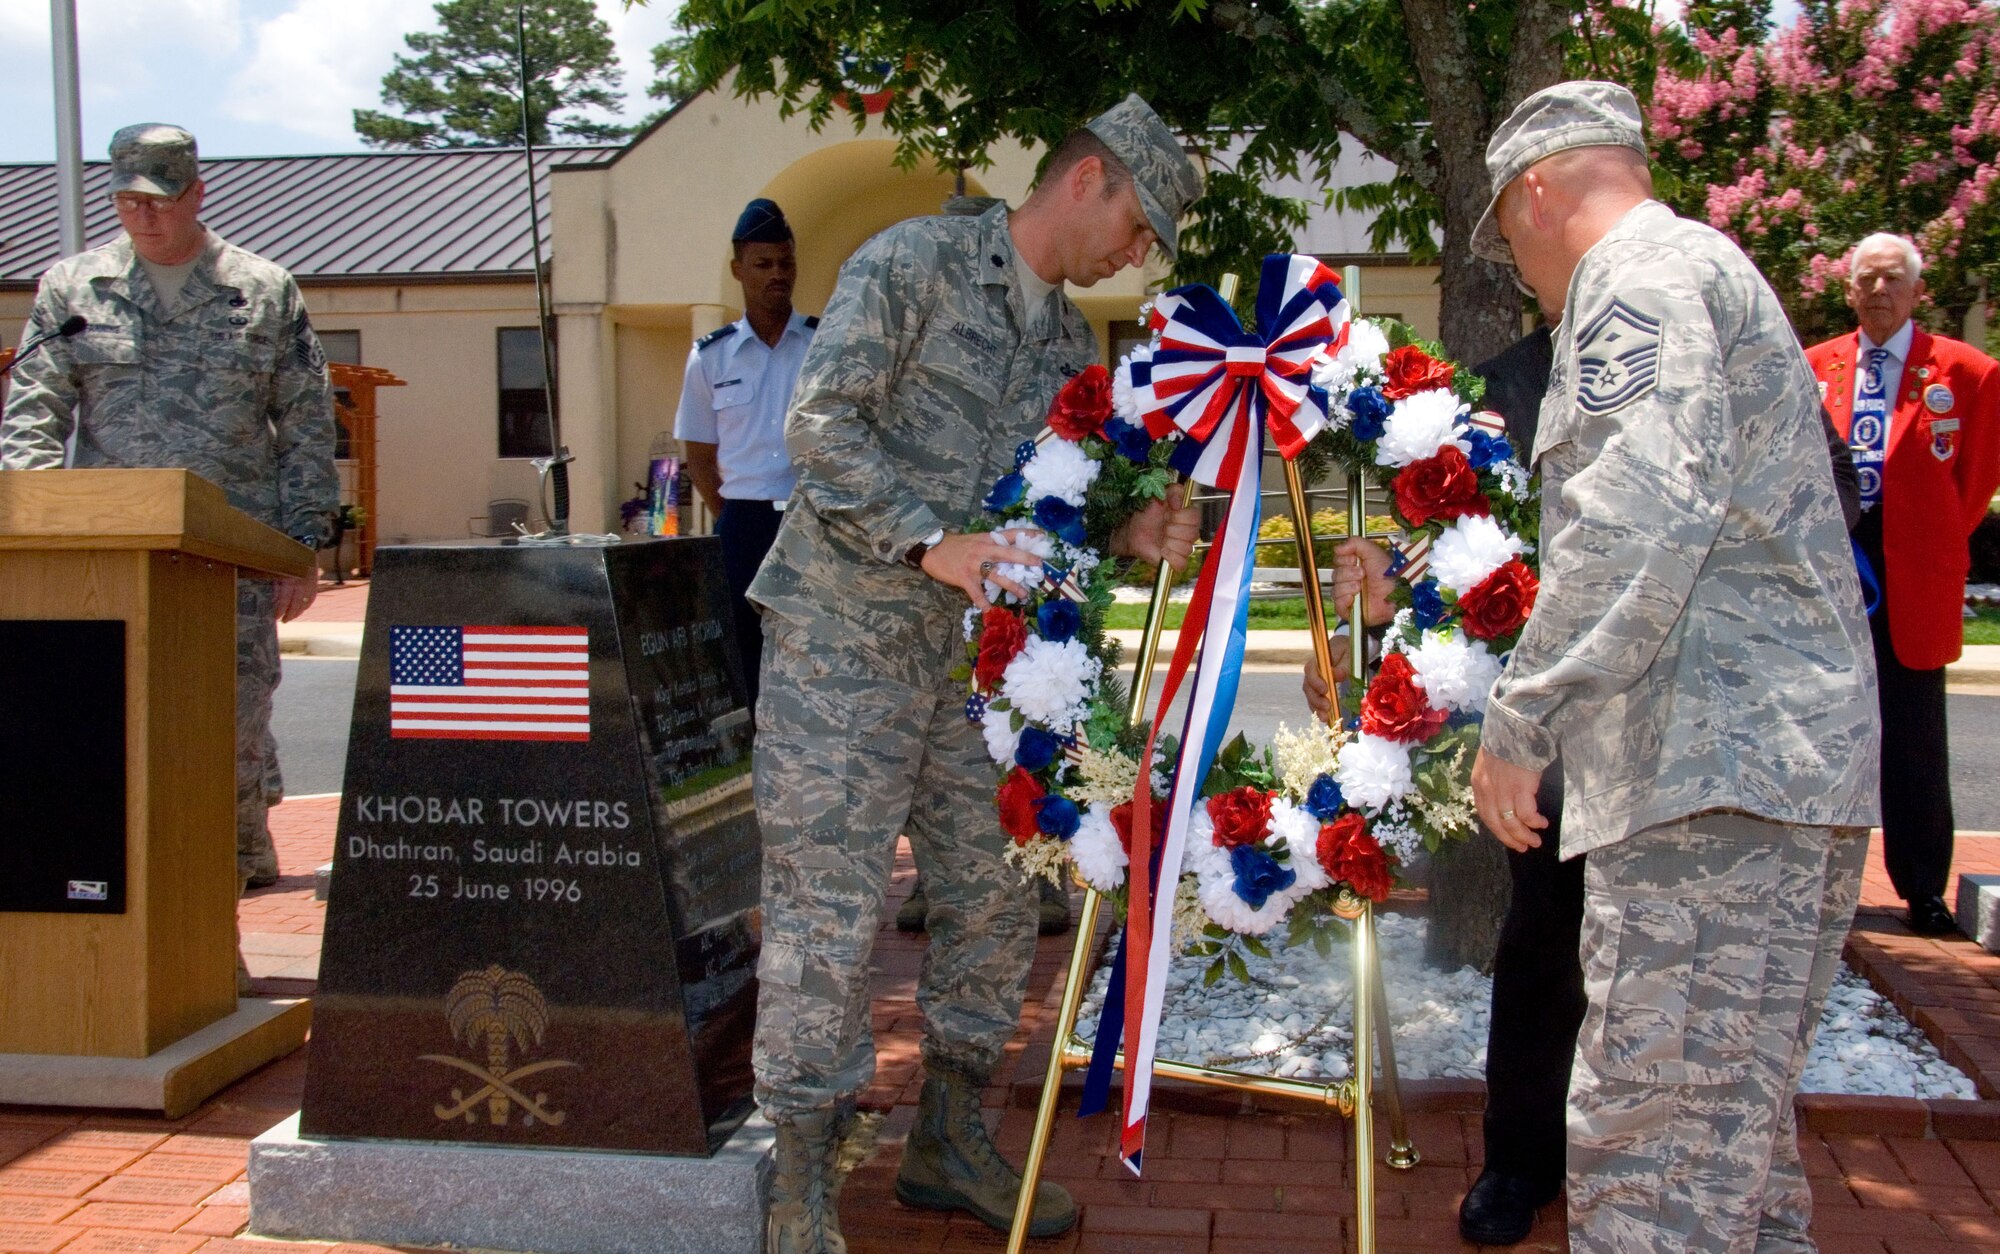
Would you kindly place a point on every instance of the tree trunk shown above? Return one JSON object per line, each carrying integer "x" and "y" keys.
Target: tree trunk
{"x": 1470, "y": 889}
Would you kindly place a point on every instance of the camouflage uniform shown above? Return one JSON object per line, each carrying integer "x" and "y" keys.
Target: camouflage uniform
{"x": 1699, "y": 655}
{"x": 926, "y": 373}
{"x": 230, "y": 384}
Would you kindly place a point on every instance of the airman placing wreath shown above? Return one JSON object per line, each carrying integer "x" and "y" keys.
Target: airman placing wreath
{"x": 1241, "y": 839}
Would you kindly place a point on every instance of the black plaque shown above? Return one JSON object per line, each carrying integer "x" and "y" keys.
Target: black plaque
{"x": 62, "y": 766}
{"x": 545, "y": 935}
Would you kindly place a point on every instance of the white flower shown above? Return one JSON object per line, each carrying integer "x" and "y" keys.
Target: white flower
{"x": 1305, "y": 755}
{"x": 1123, "y": 403}
{"x": 971, "y": 618}
{"x": 1099, "y": 858}
{"x": 1366, "y": 345}
{"x": 1298, "y": 831}
{"x": 1201, "y": 851}
{"x": 1373, "y": 772}
{"x": 1032, "y": 540}
{"x": 1418, "y": 426}
{"x": 1455, "y": 672}
{"x": 1513, "y": 478}
{"x": 1399, "y": 839}
{"x": 1001, "y": 738}
{"x": 1219, "y": 899}
{"x": 1059, "y": 468}
{"x": 1051, "y": 682}
{"x": 1469, "y": 550}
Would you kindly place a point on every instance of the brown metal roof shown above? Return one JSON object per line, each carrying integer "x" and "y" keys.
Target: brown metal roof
{"x": 347, "y": 217}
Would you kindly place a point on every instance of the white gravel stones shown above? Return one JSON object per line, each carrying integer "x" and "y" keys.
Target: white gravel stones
{"x": 1292, "y": 1020}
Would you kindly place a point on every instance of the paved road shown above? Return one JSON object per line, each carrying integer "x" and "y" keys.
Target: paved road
{"x": 317, "y": 698}
{"x": 310, "y": 716}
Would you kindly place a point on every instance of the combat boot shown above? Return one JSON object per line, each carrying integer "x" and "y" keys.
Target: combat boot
{"x": 912, "y": 914}
{"x": 805, "y": 1185}
{"x": 1053, "y": 919}
{"x": 950, "y": 1163}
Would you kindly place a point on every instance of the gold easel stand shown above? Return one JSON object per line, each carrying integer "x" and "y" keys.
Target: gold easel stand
{"x": 1352, "y": 1097}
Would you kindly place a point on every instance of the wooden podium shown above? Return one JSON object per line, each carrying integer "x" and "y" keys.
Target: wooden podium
{"x": 118, "y": 988}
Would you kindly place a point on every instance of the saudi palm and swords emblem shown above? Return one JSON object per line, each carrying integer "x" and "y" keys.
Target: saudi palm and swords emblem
{"x": 504, "y": 1011}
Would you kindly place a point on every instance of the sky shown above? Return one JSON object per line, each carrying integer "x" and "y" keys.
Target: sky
{"x": 248, "y": 77}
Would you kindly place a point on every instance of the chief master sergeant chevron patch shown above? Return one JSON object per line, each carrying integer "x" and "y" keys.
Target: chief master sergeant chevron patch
{"x": 1617, "y": 358}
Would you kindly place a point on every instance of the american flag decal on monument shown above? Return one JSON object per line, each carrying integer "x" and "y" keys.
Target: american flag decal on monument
{"x": 489, "y": 683}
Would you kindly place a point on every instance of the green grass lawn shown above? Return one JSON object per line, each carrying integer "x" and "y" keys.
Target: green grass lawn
{"x": 1288, "y": 614}
{"x": 1984, "y": 626}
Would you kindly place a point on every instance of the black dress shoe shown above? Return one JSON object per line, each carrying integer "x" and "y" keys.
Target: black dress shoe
{"x": 1500, "y": 1210}
{"x": 1929, "y": 916}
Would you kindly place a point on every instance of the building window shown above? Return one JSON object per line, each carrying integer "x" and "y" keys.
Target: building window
{"x": 341, "y": 346}
{"x": 524, "y": 402}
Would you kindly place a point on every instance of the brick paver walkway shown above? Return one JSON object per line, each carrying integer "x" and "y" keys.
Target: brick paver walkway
{"x": 1890, "y": 1177}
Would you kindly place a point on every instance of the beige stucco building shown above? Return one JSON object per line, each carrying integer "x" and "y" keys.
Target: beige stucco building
{"x": 419, "y": 263}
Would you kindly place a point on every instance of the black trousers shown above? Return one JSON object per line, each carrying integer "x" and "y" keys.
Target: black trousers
{"x": 747, "y": 529}
{"x": 1538, "y": 1006}
{"x": 1917, "y": 822}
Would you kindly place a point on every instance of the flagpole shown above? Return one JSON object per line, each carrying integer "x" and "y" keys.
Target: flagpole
{"x": 69, "y": 127}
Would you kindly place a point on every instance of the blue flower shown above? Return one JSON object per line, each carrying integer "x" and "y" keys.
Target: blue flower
{"x": 1024, "y": 452}
{"x": 1426, "y": 604}
{"x": 1006, "y": 494}
{"x": 1134, "y": 443}
{"x": 1486, "y": 449}
{"x": 1036, "y": 749}
{"x": 975, "y": 708}
{"x": 1060, "y": 518}
{"x": 1323, "y": 799}
{"x": 1056, "y": 816}
{"x": 1258, "y": 875}
{"x": 1370, "y": 409}
{"x": 1059, "y": 620}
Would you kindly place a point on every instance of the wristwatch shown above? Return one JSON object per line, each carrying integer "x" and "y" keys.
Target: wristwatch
{"x": 913, "y": 557}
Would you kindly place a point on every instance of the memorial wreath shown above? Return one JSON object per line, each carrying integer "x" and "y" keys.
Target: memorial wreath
{"x": 1277, "y": 833}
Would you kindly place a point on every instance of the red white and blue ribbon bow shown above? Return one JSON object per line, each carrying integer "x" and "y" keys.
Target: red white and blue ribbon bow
{"x": 1224, "y": 390}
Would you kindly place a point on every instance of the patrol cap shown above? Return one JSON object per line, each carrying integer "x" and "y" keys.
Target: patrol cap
{"x": 761, "y": 222}
{"x": 1578, "y": 114}
{"x": 1161, "y": 172}
{"x": 153, "y": 158}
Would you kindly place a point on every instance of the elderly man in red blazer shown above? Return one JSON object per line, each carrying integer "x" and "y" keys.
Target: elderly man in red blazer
{"x": 1922, "y": 414}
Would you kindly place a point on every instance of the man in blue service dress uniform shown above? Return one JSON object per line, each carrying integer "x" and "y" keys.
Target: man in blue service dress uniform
{"x": 734, "y": 394}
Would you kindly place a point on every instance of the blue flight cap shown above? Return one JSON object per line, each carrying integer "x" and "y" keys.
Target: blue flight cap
{"x": 761, "y": 222}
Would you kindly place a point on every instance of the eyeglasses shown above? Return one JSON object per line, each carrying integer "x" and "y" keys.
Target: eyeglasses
{"x": 137, "y": 202}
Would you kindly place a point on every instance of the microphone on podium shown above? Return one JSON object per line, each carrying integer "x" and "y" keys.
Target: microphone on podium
{"x": 70, "y": 326}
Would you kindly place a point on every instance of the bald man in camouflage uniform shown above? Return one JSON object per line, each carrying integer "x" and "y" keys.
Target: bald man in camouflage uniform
{"x": 1699, "y": 657}
{"x": 197, "y": 356}
{"x": 937, "y": 356}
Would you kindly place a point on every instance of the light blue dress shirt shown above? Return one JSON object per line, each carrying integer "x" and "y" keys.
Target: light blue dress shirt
{"x": 734, "y": 395}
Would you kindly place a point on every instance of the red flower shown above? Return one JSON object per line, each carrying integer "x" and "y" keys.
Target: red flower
{"x": 1083, "y": 404}
{"x": 1121, "y": 822}
{"x": 1351, "y": 856}
{"x": 1396, "y": 709}
{"x": 1443, "y": 485}
{"x": 1001, "y": 637}
{"x": 1018, "y": 794}
{"x": 1501, "y": 603}
{"x": 1241, "y": 816}
{"x": 1410, "y": 370}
